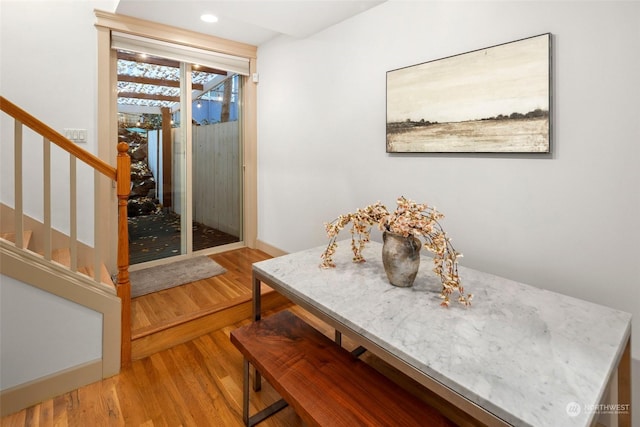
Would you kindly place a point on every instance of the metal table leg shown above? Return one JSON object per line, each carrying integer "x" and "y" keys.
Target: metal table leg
{"x": 257, "y": 314}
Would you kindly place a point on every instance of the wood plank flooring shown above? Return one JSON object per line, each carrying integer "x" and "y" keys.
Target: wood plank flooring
{"x": 193, "y": 299}
{"x": 163, "y": 319}
{"x": 195, "y": 383}
{"x": 198, "y": 383}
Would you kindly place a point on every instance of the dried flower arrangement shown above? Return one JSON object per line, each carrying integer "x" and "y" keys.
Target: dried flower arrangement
{"x": 409, "y": 219}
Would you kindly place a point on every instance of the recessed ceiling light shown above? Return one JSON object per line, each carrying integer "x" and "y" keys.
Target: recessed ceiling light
{"x": 207, "y": 17}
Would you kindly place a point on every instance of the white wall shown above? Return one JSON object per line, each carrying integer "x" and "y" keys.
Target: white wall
{"x": 48, "y": 66}
{"x": 568, "y": 222}
{"x": 41, "y": 334}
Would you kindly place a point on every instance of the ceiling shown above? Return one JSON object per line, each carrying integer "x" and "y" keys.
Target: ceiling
{"x": 249, "y": 21}
{"x": 145, "y": 85}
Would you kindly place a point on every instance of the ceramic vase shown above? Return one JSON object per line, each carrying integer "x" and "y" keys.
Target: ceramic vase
{"x": 401, "y": 258}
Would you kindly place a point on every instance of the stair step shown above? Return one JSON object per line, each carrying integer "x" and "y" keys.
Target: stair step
{"x": 63, "y": 256}
{"x": 105, "y": 277}
{"x": 26, "y": 237}
{"x": 150, "y": 340}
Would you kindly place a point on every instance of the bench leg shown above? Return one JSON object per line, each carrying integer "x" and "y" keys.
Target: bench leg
{"x": 257, "y": 380}
{"x": 261, "y": 415}
{"x": 245, "y": 392}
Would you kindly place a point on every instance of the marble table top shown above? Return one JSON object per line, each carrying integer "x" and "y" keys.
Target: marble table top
{"x": 522, "y": 353}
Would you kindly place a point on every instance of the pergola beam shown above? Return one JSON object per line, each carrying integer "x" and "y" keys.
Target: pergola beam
{"x": 151, "y": 96}
{"x": 156, "y": 82}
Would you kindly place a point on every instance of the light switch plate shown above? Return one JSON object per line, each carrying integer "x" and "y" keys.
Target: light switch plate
{"x": 75, "y": 135}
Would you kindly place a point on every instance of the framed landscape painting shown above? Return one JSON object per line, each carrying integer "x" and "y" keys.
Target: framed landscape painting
{"x": 493, "y": 100}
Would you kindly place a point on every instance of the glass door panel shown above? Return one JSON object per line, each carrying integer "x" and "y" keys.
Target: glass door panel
{"x": 217, "y": 165}
{"x": 181, "y": 124}
{"x": 148, "y": 97}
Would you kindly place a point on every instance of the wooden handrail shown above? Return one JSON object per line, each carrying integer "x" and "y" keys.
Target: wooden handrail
{"x": 57, "y": 138}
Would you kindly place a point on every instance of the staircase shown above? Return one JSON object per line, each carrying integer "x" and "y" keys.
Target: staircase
{"x": 56, "y": 286}
{"x": 26, "y": 237}
{"x": 61, "y": 256}
{"x": 62, "y": 264}
{"x": 36, "y": 243}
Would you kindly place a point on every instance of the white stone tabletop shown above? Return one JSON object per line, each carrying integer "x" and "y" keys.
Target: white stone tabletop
{"x": 522, "y": 353}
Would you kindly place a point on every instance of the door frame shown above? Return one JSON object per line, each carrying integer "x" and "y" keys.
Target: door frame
{"x": 107, "y": 110}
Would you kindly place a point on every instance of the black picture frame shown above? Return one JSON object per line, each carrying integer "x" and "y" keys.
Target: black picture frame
{"x": 492, "y": 100}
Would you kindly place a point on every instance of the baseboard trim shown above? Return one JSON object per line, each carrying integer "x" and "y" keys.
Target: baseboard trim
{"x": 22, "y": 396}
{"x": 269, "y": 249}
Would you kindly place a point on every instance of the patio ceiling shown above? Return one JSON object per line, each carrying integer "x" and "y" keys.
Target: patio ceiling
{"x": 146, "y": 83}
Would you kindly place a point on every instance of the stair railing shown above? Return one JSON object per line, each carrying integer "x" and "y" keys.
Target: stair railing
{"x": 119, "y": 174}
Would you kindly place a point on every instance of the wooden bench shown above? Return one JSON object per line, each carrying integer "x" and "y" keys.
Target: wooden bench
{"x": 324, "y": 383}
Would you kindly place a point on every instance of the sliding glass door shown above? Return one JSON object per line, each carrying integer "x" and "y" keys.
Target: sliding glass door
{"x": 216, "y": 159}
{"x": 181, "y": 122}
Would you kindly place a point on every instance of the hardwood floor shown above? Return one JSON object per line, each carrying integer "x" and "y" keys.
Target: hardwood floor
{"x": 195, "y": 383}
{"x": 198, "y": 383}
{"x": 163, "y": 319}
{"x": 186, "y": 301}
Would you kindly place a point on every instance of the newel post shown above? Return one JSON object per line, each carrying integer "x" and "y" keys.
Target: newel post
{"x": 123, "y": 285}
